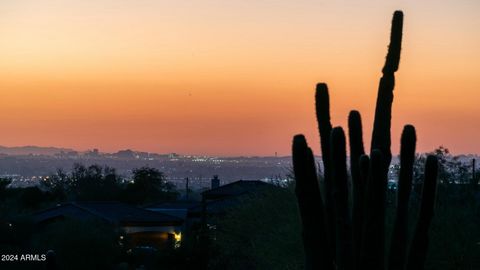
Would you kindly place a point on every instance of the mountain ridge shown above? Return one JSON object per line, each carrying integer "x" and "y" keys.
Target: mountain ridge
{"x": 33, "y": 150}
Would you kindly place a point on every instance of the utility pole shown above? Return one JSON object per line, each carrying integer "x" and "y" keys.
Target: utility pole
{"x": 187, "y": 191}
{"x": 474, "y": 177}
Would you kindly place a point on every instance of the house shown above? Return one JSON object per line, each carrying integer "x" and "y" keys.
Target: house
{"x": 143, "y": 227}
{"x": 182, "y": 209}
{"x": 235, "y": 189}
{"x": 219, "y": 200}
{"x": 189, "y": 211}
{"x": 216, "y": 201}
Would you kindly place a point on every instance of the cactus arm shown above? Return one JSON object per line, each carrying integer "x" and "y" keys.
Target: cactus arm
{"x": 373, "y": 244}
{"x": 322, "y": 107}
{"x": 393, "y": 56}
{"x": 359, "y": 185}
{"x": 383, "y": 110}
{"x": 398, "y": 247}
{"x": 419, "y": 246}
{"x": 311, "y": 207}
{"x": 344, "y": 254}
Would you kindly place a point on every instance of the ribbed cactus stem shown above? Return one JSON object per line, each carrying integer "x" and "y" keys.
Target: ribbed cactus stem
{"x": 419, "y": 246}
{"x": 356, "y": 141}
{"x": 383, "y": 110}
{"x": 393, "y": 56}
{"x": 317, "y": 252}
{"x": 358, "y": 230}
{"x": 355, "y": 135}
{"x": 322, "y": 108}
{"x": 373, "y": 244}
{"x": 364, "y": 168}
{"x": 344, "y": 255}
{"x": 398, "y": 247}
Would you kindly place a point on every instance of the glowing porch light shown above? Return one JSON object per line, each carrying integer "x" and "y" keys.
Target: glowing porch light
{"x": 178, "y": 239}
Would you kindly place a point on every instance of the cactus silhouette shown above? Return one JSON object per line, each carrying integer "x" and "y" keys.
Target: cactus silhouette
{"x": 340, "y": 198}
{"x": 399, "y": 237}
{"x": 317, "y": 249}
{"x": 334, "y": 237}
{"x": 418, "y": 250}
{"x": 322, "y": 106}
{"x": 359, "y": 181}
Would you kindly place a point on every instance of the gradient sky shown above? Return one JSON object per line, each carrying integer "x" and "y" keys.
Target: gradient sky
{"x": 230, "y": 77}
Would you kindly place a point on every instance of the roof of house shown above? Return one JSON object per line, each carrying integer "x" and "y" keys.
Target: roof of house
{"x": 218, "y": 200}
{"x": 112, "y": 212}
{"x": 181, "y": 209}
{"x": 235, "y": 188}
{"x": 184, "y": 204}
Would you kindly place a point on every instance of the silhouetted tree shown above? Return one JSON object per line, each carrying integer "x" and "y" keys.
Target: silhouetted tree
{"x": 85, "y": 183}
{"x": 95, "y": 183}
{"x": 149, "y": 184}
{"x": 4, "y": 182}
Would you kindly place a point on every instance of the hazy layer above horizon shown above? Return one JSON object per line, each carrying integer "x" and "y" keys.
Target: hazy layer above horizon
{"x": 230, "y": 77}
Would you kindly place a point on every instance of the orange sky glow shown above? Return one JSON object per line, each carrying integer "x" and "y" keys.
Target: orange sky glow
{"x": 231, "y": 77}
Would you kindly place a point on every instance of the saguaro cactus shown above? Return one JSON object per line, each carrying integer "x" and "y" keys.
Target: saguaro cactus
{"x": 322, "y": 106}
{"x": 373, "y": 244}
{"x": 333, "y": 239}
{"x": 340, "y": 198}
{"x": 311, "y": 207}
{"x": 418, "y": 251}
{"x": 383, "y": 110}
{"x": 359, "y": 182}
{"x": 398, "y": 245}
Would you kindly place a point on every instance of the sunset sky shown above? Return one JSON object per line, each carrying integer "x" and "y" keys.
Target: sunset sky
{"x": 224, "y": 77}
